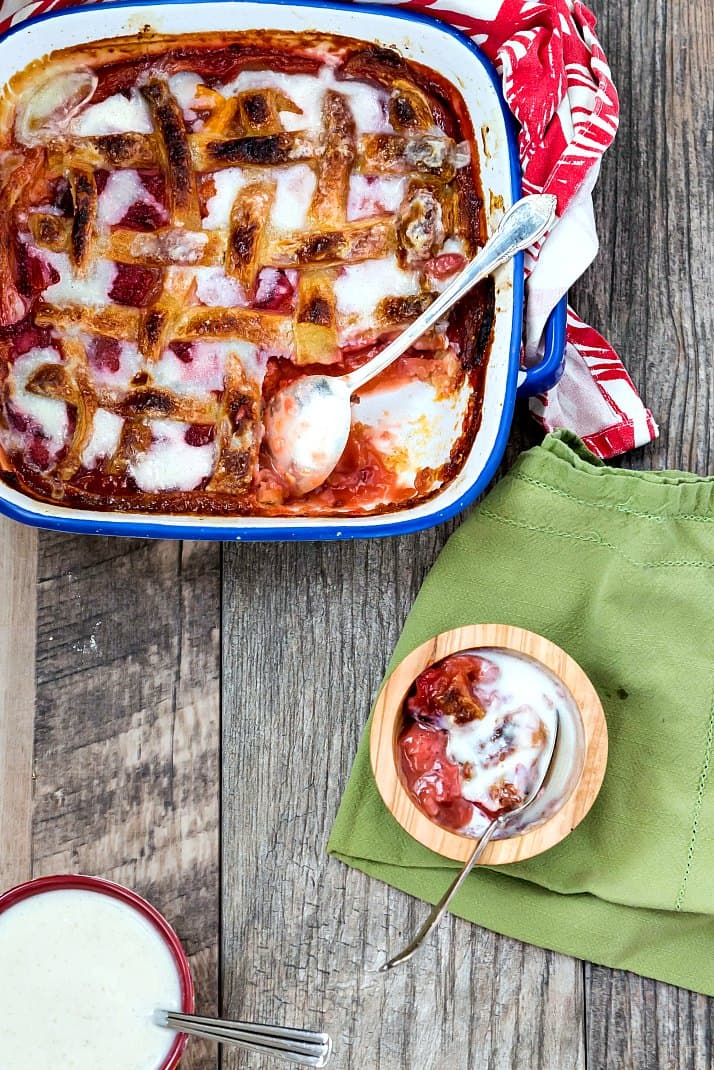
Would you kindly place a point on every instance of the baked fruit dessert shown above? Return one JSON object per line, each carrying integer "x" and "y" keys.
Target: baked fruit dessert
{"x": 475, "y": 734}
{"x": 187, "y": 223}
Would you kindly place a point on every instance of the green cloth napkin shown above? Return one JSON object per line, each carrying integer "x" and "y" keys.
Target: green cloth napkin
{"x": 616, "y": 567}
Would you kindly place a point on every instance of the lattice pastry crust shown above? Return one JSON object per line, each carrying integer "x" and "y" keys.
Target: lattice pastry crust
{"x": 187, "y": 223}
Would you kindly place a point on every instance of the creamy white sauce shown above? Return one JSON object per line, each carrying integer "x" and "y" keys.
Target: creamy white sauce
{"x": 171, "y": 463}
{"x": 227, "y": 183}
{"x": 370, "y": 196}
{"x": 524, "y": 697}
{"x": 124, "y": 189}
{"x": 92, "y": 289}
{"x": 412, "y": 426}
{"x": 367, "y": 103}
{"x": 218, "y": 290}
{"x": 115, "y": 115}
{"x": 293, "y": 194}
{"x": 82, "y": 975}
{"x": 359, "y": 288}
{"x": 49, "y": 414}
{"x": 106, "y": 432}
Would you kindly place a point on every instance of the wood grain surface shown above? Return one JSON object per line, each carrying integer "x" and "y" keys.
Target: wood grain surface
{"x": 127, "y": 730}
{"x": 650, "y": 291}
{"x": 131, "y": 638}
{"x": 18, "y": 578}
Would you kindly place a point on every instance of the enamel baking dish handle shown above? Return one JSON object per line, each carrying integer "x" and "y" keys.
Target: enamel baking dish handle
{"x": 546, "y": 373}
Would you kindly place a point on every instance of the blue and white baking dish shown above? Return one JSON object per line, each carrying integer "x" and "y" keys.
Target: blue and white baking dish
{"x": 418, "y": 38}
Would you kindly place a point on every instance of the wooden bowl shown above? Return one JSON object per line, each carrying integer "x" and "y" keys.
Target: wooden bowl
{"x": 579, "y": 761}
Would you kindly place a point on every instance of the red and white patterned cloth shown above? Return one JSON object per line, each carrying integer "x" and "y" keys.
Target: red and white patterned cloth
{"x": 558, "y": 85}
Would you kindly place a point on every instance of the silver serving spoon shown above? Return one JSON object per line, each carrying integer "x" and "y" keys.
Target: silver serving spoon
{"x": 302, "y": 1046}
{"x": 307, "y": 423}
{"x": 442, "y": 906}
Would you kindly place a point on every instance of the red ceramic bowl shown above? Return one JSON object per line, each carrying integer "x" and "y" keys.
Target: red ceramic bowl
{"x": 117, "y": 891}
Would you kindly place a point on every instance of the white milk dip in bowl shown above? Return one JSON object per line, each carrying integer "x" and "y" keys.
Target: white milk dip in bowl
{"x": 84, "y": 966}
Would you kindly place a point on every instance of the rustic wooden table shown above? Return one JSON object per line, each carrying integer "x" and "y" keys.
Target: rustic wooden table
{"x": 161, "y": 703}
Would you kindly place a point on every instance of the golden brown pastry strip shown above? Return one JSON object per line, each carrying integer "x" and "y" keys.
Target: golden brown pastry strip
{"x": 153, "y": 248}
{"x": 249, "y": 218}
{"x": 268, "y": 329}
{"x": 114, "y": 321}
{"x": 316, "y": 318}
{"x": 398, "y": 154}
{"x": 175, "y": 154}
{"x": 364, "y": 239}
{"x": 158, "y": 324}
{"x": 253, "y": 112}
{"x": 210, "y": 153}
{"x": 12, "y": 303}
{"x": 409, "y": 109}
{"x": 394, "y": 311}
{"x": 166, "y": 246}
{"x": 117, "y": 151}
{"x": 329, "y": 202}
{"x": 85, "y": 405}
{"x": 69, "y": 382}
{"x": 420, "y": 225}
{"x": 157, "y": 403}
{"x": 135, "y": 439}
{"x": 236, "y": 432}
{"x": 84, "y": 198}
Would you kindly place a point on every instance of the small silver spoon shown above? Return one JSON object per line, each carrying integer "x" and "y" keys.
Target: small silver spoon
{"x": 302, "y": 1046}
{"x": 442, "y": 906}
{"x": 307, "y": 423}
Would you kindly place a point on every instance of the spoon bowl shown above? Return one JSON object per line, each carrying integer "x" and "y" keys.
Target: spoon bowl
{"x": 307, "y": 425}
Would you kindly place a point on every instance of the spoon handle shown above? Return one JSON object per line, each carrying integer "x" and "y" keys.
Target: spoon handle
{"x": 525, "y": 222}
{"x": 304, "y": 1047}
{"x": 441, "y": 907}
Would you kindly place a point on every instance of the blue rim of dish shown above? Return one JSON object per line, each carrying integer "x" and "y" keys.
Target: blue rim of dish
{"x": 547, "y": 372}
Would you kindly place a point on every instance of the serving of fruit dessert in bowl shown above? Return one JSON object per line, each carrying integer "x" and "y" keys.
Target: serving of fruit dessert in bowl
{"x": 469, "y": 725}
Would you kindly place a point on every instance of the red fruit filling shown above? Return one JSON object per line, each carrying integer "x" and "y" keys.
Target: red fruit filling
{"x": 136, "y": 286}
{"x": 451, "y": 688}
{"x": 183, "y": 351}
{"x": 433, "y": 780}
{"x": 142, "y": 216}
{"x": 101, "y": 177}
{"x": 39, "y": 453}
{"x": 155, "y": 184}
{"x": 200, "y": 434}
{"x": 446, "y": 264}
{"x": 33, "y": 275}
{"x": 275, "y": 292}
{"x": 104, "y": 354}
{"x": 25, "y": 336}
{"x": 15, "y": 419}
